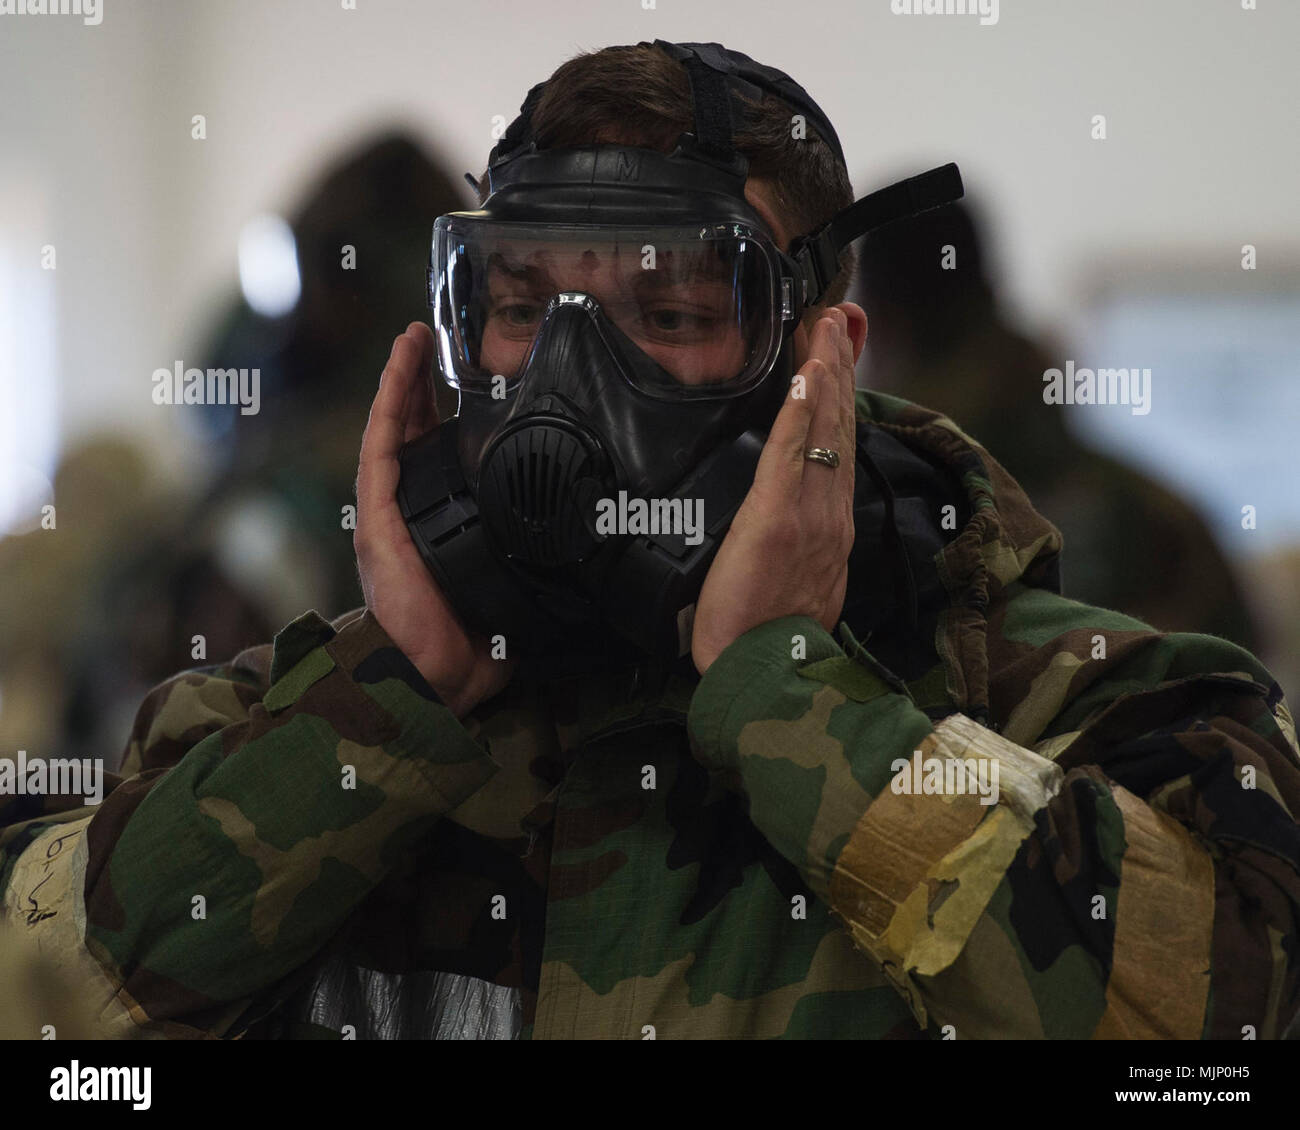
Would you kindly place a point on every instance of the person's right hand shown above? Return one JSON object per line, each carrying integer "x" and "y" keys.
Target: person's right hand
{"x": 400, "y": 591}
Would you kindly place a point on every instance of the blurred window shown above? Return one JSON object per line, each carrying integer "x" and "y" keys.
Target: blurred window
{"x": 1224, "y": 422}
{"x": 29, "y": 442}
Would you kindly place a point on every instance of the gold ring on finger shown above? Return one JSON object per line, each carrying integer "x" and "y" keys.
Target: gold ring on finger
{"x": 822, "y": 455}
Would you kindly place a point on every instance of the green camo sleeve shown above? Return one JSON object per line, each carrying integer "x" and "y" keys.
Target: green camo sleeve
{"x": 203, "y": 882}
{"x": 1135, "y": 874}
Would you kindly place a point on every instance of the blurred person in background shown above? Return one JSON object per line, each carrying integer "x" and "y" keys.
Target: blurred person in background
{"x": 941, "y": 338}
{"x": 91, "y": 621}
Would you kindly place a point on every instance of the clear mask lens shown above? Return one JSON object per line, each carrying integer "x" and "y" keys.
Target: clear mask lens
{"x": 702, "y": 303}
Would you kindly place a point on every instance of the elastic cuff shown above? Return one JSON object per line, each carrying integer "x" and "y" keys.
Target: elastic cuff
{"x": 742, "y": 679}
{"x": 384, "y": 699}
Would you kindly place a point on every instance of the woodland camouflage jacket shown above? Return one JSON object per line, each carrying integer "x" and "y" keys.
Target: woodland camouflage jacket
{"x": 723, "y": 857}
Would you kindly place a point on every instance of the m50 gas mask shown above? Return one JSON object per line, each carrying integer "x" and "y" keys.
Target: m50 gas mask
{"x": 618, "y": 322}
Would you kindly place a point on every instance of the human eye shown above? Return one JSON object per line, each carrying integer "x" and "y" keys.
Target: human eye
{"x": 516, "y": 313}
{"x": 678, "y": 322}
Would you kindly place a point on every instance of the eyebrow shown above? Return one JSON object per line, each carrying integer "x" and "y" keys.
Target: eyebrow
{"x": 650, "y": 281}
{"x": 697, "y": 269}
{"x": 525, "y": 271}
{"x": 697, "y": 265}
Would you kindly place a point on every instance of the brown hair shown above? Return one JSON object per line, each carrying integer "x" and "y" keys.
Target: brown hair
{"x": 637, "y": 95}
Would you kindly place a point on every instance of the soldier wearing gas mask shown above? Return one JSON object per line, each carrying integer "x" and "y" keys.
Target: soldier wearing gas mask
{"x": 836, "y": 761}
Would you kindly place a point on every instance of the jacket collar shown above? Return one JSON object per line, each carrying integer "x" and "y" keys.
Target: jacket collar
{"x": 1005, "y": 541}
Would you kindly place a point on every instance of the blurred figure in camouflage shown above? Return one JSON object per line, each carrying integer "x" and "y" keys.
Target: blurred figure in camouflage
{"x": 177, "y": 578}
{"x": 939, "y": 337}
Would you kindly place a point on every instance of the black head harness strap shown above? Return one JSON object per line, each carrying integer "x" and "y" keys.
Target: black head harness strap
{"x": 710, "y": 97}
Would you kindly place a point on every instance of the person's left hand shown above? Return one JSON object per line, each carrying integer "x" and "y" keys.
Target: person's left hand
{"x": 787, "y": 550}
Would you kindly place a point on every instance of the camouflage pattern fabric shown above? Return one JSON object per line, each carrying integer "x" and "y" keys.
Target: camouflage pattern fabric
{"x": 716, "y": 857}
